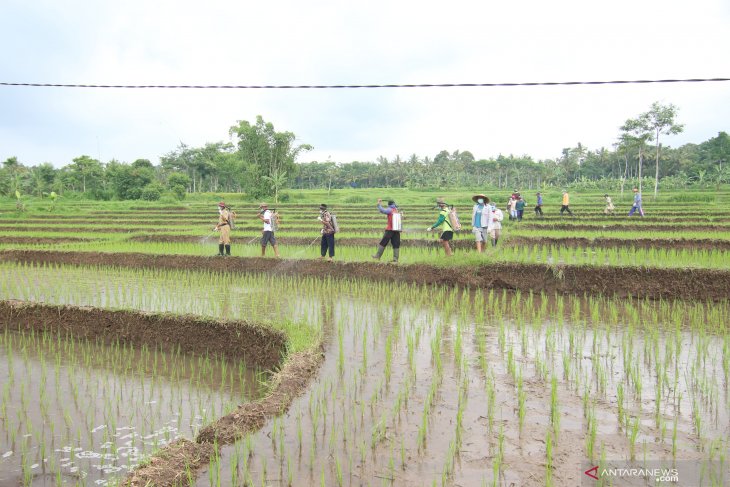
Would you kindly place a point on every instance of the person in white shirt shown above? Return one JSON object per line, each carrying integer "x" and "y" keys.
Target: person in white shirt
{"x": 266, "y": 216}
{"x": 495, "y": 224}
{"x": 481, "y": 216}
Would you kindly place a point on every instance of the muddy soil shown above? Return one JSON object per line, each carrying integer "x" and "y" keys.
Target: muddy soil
{"x": 85, "y": 229}
{"x": 702, "y": 284}
{"x": 42, "y": 240}
{"x": 628, "y": 227}
{"x": 259, "y": 346}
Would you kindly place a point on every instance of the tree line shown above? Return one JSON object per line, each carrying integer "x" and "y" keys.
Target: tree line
{"x": 261, "y": 162}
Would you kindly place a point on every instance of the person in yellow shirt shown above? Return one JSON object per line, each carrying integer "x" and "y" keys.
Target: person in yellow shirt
{"x": 566, "y": 204}
{"x": 224, "y": 226}
{"x": 447, "y": 231}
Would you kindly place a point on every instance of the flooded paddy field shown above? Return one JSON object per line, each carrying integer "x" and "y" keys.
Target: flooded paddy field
{"x": 76, "y": 411}
{"x": 425, "y": 385}
{"x": 436, "y": 387}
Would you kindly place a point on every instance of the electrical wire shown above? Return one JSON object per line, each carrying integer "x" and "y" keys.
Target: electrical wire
{"x": 327, "y": 87}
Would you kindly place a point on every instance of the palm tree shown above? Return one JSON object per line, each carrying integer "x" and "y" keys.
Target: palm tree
{"x": 276, "y": 181}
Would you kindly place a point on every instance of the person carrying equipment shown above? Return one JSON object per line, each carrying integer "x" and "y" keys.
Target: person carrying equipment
{"x": 224, "y": 226}
{"x": 328, "y": 232}
{"x": 481, "y": 217}
{"x": 447, "y": 230}
{"x": 392, "y": 230}
{"x": 267, "y": 217}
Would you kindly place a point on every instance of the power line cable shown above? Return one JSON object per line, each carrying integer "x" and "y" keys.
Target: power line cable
{"x": 327, "y": 87}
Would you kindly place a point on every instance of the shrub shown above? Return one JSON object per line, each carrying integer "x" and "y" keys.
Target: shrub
{"x": 151, "y": 192}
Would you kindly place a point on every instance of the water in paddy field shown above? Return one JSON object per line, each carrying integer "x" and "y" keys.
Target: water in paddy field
{"x": 464, "y": 390}
{"x": 80, "y": 412}
{"x": 422, "y": 385}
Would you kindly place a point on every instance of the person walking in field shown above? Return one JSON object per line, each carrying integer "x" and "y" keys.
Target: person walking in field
{"x": 520, "y": 208}
{"x": 224, "y": 227}
{"x": 328, "y": 233}
{"x": 637, "y": 204}
{"x": 566, "y": 204}
{"x": 443, "y": 222}
{"x": 268, "y": 237}
{"x": 495, "y": 224}
{"x": 608, "y": 210}
{"x": 392, "y": 230}
{"x": 481, "y": 217}
{"x": 512, "y": 207}
{"x": 538, "y": 206}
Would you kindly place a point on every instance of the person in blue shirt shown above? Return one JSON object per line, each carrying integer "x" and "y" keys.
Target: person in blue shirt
{"x": 637, "y": 204}
{"x": 538, "y": 206}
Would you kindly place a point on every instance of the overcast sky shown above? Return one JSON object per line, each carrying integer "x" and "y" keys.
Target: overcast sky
{"x": 340, "y": 42}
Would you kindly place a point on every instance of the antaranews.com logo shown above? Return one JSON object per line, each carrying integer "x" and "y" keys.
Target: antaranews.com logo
{"x": 657, "y": 473}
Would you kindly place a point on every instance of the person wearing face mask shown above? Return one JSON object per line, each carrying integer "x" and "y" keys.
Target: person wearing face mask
{"x": 224, "y": 227}
{"x": 443, "y": 222}
{"x": 481, "y": 217}
{"x": 328, "y": 233}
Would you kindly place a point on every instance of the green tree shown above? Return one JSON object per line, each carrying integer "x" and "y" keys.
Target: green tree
{"x": 86, "y": 169}
{"x": 635, "y": 133}
{"x": 660, "y": 120}
{"x": 266, "y": 152}
{"x": 276, "y": 181}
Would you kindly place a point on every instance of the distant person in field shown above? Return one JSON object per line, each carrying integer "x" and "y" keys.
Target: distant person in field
{"x": 268, "y": 237}
{"x": 392, "y": 230}
{"x": 224, "y": 227}
{"x": 538, "y": 206}
{"x": 328, "y": 233}
{"x": 444, "y": 223}
{"x": 495, "y": 226}
{"x": 512, "y": 207}
{"x": 481, "y": 217}
{"x": 637, "y": 204}
{"x": 520, "y": 207}
{"x": 608, "y": 210}
{"x": 566, "y": 204}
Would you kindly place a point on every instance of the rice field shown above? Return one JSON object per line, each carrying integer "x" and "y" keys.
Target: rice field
{"x": 448, "y": 384}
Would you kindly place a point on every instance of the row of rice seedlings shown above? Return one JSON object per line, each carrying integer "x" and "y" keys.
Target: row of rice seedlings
{"x": 636, "y": 319}
{"x": 628, "y": 256}
{"x": 149, "y": 404}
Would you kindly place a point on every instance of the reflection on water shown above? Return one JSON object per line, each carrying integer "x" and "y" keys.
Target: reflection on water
{"x": 75, "y": 410}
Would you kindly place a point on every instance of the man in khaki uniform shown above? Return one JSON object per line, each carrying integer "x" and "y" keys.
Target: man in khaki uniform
{"x": 224, "y": 227}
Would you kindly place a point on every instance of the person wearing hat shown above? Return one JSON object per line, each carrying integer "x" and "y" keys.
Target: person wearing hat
{"x": 538, "y": 206}
{"x": 223, "y": 226}
{"x": 566, "y": 204}
{"x": 447, "y": 231}
{"x": 328, "y": 233}
{"x": 268, "y": 237}
{"x": 392, "y": 230}
{"x": 608, "y": 210}
{"x": 481, "y": 219}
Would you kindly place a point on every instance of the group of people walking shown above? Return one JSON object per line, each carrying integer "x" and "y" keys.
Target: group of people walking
{"x": 486, "y": 223}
